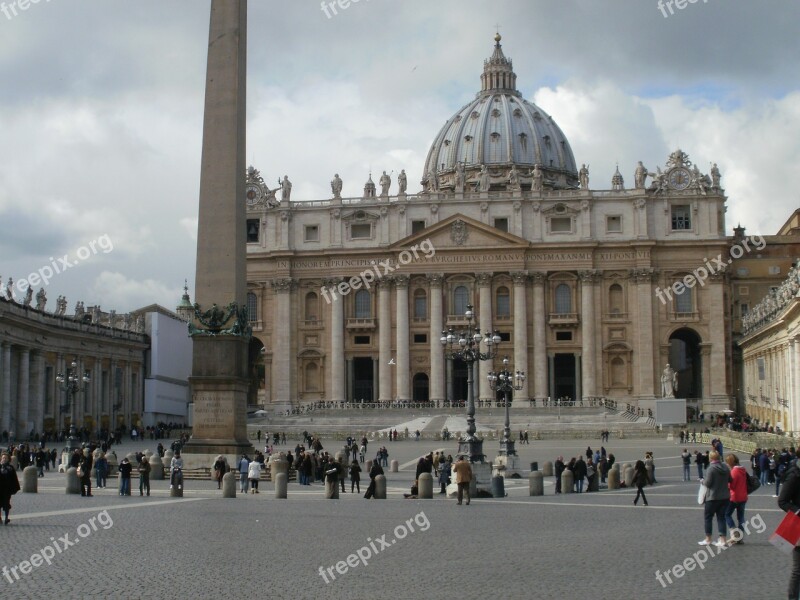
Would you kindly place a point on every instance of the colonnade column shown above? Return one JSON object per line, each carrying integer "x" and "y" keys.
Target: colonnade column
{"x": 485, "y": 316}
{"x": 403, "y": 357}
{"x": 437, "y": 352}
{"x": 794, "y": 383}
{"x": 540, "y": 367}
{"x": 23, "y": 393}
{"x": 36, "y": 412}
{"x": 645, "y": 382}
{"x": 588, "y": 387}
{"x": 716, "y": 330}
{"x": 384, "y": 340}
{"x": 336, "y": 360}
{"x": 282, "y": 371}
{"x": 520, "y": 331}
{"x": 5, "y": 386}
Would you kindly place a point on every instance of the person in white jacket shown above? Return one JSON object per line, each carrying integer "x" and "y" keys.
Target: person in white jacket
{"x": 254, "y": 474}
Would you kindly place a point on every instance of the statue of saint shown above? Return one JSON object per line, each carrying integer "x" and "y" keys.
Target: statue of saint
{"x": 28, "y": 296}
{"x": 336, "y": 186}
{"x": 583, "y": 176}
{"x": 402, "y": 181}
{"x": 433, "y": 181}
{"x": 715, "y": 176}
{"x": 459, "y": 183}
{"x": 286, "y": 189}
{"x": 41, "y": 299}
{"x": 485, "y": 180}
{"x": 639, "y": 176}
{"x": 9, "y": 289}
{"x": 513, "y": 178}
{"x": 385, "y": 182}
{"x": 669, "y": 382}
{"x": 538, "y": 179}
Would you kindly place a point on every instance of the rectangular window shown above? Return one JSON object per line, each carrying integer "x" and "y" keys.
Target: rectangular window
{"x": 501, "y": 223}
{"x": 311, "y": 233}
{"x": 563, "y": 336}
{"x": 681, "y": 217}
{"x": 253, "y": 226}
{"x": 683, "y": 301}
{"x": 420, "y": 307}
{"x": 561, "y": 225}
{"x": 361, "y": 340}
{"x": 774, "y": 270}
{"x": 505, "y": 336}
{"x": 417, "y": 226}
{"x": 744, "y": 309}
{"x": 614, "y": 224}
{"x": 420, "y": 338}
{"x": 361, "y": 231}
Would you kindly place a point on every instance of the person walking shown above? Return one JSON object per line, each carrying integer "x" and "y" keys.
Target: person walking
{"x": 101, "y": 470}
{"x": 463, "y": 471}
{"x": 699, "y": 460}
{"x": 254, "y": 474}
{"x": 640, "y": 480}
{"x": 559, "y": 469}
{"x": 717, "y": 478}
{"x": 444, "y": 474}
{"x": 789, "y": 501}
{"x": 219, "y": 470}
{"x": 125, "y": 468}
{"x": 244, "y": 466}
{"x": 738, "y": 497}
{"x": 85, "y": 469}
{"x": 144, "y": 476}
{"x": 687, "y": 464}
{"x": 9, "y": 485}
{"x": 355, "y": 476}
{"x": 376, "y": 470}
{"x": 579, "y": 470}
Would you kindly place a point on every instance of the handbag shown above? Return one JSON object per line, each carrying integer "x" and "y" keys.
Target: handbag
{"x": 701, "y": 494}
{"x": 787, "y": 534}
{"x": 753, "y": 484}
{"x": 79, "y": 472}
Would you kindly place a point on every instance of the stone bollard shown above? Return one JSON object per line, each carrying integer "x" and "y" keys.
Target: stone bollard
{"x": 132, "y": 459}
{"x": 613, "y": 477}
{"x": 368, "y": 466}
{"x": 594, "y": 486}
{"x": 280, "y": 480}
{"x": 547, "y": 469}
{"x": 567, "y": 482}
{"x": 148, "y": 453}
{"x": 156, "y": 468}
{"x": 277, "y": 465}
{"x": 73, "y": 483}
{"x": 425, "y": 486}
{"x": 176, "y": 491}
{"x": 380, "y": 488}
{"x": 30, "y": 480}
{"x": 627, "y": 474}
{"x": 331, "y": 488}
{"x": 395, "y": 466}
{"x": 167, "y": 459}
{"x": 113, "y": 465}
{"x": 498, "y": 487}
{"x": 536, "y": 484}
{"x": 229, "y": 485}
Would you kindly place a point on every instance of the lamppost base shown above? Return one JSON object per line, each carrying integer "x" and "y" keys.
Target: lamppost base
{"x": 472, "y": 447}
{"x": 72, "y": 439}
{"x": 507, "y": 448}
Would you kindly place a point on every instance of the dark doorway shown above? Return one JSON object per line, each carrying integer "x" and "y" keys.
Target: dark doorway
{"x": 421, "y": 387}
{"x": 564, "y": 376}
{"x": 363, "y": 383}
{"x": 256, "y": 372}
{"x": 459, "y": 381}
{"x": 684, "y": 357}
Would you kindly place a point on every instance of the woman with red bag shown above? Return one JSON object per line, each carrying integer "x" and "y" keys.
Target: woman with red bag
{"x": 789, "y": 501}
{"x": 738, "y": 489}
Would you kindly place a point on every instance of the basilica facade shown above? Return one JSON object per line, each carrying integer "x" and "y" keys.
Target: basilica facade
{"x": 592, "y": 292}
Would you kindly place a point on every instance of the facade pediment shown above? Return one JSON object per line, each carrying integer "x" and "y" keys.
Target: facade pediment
{"x": 559, "y": 209}
{"x": 459, "y": 231}
{"x": 360, "y": 216}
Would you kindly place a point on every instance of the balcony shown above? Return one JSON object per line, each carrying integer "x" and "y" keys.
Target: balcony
{"x": 686, "y": 317}
{"x": 563, "y": 319}
{"x": 360, "y": 324}
{"x": 457, "y": 321}
{"x": 313, "y": 323}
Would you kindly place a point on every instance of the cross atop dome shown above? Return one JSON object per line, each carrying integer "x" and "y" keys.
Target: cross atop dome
{"x": 498, "y": 72}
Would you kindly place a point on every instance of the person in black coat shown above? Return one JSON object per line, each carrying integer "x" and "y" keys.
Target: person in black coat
{"x": 789, "y": 500}
{"x": 9, "y": 485}
{"x": 640, "y": 480}
{"x": 559, "y": 469}
{"x": 376, "y": 470}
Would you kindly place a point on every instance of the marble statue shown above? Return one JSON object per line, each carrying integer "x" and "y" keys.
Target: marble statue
{"x": 485, "y": 180}
{"x": 715, "y": 176}
{"x": 28, "y": 296}
{"x": 538, "y": 179}
{"x": 433, "y": 181}
{"x": 79, "y": 310}
{"x": 336, "y": 186}
{"x": 10, "y": 289}
{"x": 669, "y": 382}
{"x": 639, "y": 176}
{"x": 460, "y": 178}
{"x": 583, "y": 176}
{"x": 513, "y": 178}
{"x": 41, "y": 299}
{"x": 112, "y": 318}
{"x": 286, "y": 189}
{"x": 402, "y": 181}
{"x": 386, "y": 183}
{"x": 127, "y": 321}
{"x": 96, "y": 313}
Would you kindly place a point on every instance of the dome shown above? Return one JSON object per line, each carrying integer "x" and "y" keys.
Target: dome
{"x": 504, "y": 132}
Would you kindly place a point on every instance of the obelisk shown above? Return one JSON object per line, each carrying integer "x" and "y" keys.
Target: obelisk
{"x": 220, "y": 329}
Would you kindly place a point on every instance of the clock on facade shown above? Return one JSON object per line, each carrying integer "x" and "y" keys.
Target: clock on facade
{"x": 253, "y": 194}
{"x": 679, "y": 178}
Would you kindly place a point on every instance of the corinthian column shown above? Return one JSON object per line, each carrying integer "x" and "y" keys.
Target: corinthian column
{"x": 336, "y": 359}
{"x": 384, "y": 340}
{"x": 437, "y": 352}
{"x": 23, "y": 392}
{"x": 485, "y": 289}
{"x": 588, "y": 380}
{"x": 5, "y": 386}
{"x": 282, "y": 367}
{"x": 539, "y": 337}
{"x": 403, "y": 371}
{"x": 520, "y": 331}
{"x": 645, "y": 382}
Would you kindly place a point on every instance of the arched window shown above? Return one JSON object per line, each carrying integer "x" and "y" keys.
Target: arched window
{"x": 460, "y": 300}
{"x": 252, "y": 307}
{"x": 683, "y": 301}
{"x": 616, "y": 303}
{"x": 363, "y": 305}
{"x": 618, "y": 372}
{"x": 503, "y": 302}
{"x": 563, "y": 299}
{"x": 312, "y": 306}
{"x": 312, "y": 377}
{"x": 420, "y": 304}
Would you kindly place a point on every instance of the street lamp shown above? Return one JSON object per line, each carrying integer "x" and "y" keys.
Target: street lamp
{"x": 505, "y": 381}
{"x": 466, "y": 346}
{"x": 70, "y": 384}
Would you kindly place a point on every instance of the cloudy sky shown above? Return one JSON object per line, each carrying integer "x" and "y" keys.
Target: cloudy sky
{"x": 101, "y": 111}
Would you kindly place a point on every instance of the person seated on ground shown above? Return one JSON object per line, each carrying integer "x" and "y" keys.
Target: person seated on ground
{"x": 414, "y": 491}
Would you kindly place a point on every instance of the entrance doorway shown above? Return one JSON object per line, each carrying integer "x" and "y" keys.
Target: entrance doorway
{"x": 363, "y": 383}
{"x": 421, "y": 387}
{"x": 459, "y": 382}
{"x": 684, "y": 357}
{"x": 564, "y": 376}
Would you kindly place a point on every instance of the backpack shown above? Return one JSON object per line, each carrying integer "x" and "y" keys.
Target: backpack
{"x": 752, "y": 484}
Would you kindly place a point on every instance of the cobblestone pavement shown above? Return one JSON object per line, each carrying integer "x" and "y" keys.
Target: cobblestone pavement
{"x": 570, "y": 546}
